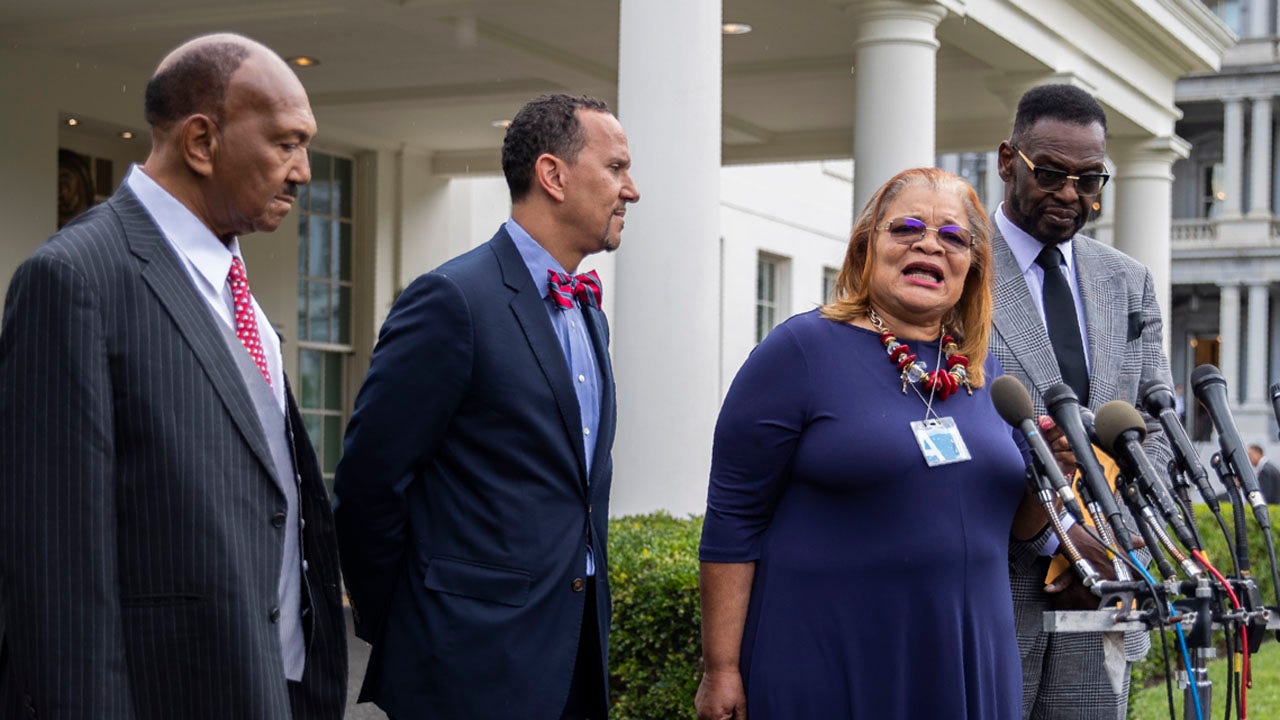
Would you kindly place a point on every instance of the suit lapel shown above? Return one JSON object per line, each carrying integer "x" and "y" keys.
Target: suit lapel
{"x": 531, "y": 312}
{"x": 1105, "y": 320}
{"x": 170, "y": 283}
{"x": 1018, "y": 322}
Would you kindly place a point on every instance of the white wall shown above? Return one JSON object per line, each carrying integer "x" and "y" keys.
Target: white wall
{"x": 801, "y": 212}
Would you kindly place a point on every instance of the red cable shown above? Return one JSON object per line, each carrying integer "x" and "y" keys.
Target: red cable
{"x": 1244, "y": 636}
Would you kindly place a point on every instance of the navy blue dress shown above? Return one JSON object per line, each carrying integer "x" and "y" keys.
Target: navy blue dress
{"x": 882, "y": 585}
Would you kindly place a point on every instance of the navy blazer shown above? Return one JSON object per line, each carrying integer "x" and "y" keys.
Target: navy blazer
{"x": 464, "y": 508}
{"x": 139, "y": 541}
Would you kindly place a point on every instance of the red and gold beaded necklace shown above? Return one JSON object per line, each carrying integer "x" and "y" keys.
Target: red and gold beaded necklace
{"x": 944, "y": 383}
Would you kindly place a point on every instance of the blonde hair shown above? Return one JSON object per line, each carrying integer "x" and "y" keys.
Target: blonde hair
{"x": 970, "y": 319}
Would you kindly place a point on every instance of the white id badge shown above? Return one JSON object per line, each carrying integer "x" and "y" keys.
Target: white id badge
{"x": 940, "y": 441}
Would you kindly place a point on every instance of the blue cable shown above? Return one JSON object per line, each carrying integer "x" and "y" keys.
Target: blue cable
{"x": 1182, "y": 640}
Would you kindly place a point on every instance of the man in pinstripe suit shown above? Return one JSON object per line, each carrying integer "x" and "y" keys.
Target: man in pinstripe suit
{"x": 166, "y": 543}
{"x": 1053, "y": 169}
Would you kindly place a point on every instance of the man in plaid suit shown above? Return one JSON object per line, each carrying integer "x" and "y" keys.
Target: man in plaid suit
{"x": 1068, "y": 309}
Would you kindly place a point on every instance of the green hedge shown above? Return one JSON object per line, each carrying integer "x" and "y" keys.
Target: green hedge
{"x": 1152, "y": 670}
{"x": 654, "y": 645}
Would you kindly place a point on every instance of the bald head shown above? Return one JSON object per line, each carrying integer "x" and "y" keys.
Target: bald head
{"x": 194, "y": 77}
{"x": 231, "y": 124}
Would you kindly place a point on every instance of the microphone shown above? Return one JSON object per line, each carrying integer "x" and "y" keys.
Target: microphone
{"x": 1086, "y": 419}
{"x": 1014, "y": 405}
{"x": 1210, "y": 389}
{"x": 1275, "y": 400}
{"x": 1064, "y": 408}
{"x": 1158, "y": 399}
{"x": 1122, "y": 431}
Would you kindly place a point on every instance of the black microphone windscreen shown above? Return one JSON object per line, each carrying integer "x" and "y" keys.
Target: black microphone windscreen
{"x": 1156, "y": 396}
{"x": 1204, "y": 375}
{"x": 1059, "y": 393}
{"x": 1275, "y": 391}
{"x": 1114, "y": 419}
{"x": 1011, "y": 400}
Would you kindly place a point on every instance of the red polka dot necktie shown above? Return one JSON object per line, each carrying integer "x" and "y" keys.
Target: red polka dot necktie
{"x": 567, "y": 289}
{"x": 246, "y": 318}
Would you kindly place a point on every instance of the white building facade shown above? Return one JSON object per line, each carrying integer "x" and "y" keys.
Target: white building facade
{"x": 406, "y": 163}
{"x": 1226, "y": 241}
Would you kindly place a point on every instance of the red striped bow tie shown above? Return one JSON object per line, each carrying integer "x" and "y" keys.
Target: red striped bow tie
{"x": 565, "y": 288}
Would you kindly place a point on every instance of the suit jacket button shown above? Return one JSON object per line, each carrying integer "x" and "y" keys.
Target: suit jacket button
{"x": 277, "y": 520}
{"x": 274, "y": 617}
{"x": 579, "y": 584}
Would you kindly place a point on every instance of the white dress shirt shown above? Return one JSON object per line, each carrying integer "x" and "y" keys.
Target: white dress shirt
{"x": 1025, "y": 250}
{"x": 207, "y": 261}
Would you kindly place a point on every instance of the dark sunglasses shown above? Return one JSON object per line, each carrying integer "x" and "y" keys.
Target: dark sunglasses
{"x": 909, "y": 231}
{"x": 1051, "y": 180}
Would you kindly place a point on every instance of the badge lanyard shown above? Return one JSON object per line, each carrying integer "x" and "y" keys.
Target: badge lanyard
{"x": 938, "y": 437}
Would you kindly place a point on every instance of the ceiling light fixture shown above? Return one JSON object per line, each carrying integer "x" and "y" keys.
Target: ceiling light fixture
{"x": 73, "y": 122}
{"x": 302, "y": 61}
{"x": 735, "y": 28}
{"x": 504, "y": 124}
{"x": 126, "y": 135}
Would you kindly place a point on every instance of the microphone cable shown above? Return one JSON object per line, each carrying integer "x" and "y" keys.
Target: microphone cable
{"x": 1244, "y": 636}
{"x": 1131, "y": 559}
{"x": 1176, "y": 621}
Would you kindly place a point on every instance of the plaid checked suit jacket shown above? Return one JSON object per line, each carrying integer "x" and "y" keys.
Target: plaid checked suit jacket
{"x": 1124, "y": 329}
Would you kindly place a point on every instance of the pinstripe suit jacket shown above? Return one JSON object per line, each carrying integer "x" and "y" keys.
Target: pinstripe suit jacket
{"x": 139, "y": 548}
{"x": 1123, "y": 323}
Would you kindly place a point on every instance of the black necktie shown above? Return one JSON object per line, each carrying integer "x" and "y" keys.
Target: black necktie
{"x": 1060, "y": 319}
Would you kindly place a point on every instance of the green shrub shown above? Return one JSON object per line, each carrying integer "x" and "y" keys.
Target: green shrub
{"x": 1215, "y": 545}
{"x": 654, "y": 645}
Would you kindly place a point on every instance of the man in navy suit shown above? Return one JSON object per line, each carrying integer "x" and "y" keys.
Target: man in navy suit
{"x": 167, "y": 547}
{"x": 473, "y": 492}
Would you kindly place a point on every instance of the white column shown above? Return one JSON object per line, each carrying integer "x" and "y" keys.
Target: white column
{"x": 1233, "y": 155}
{"x": 665, "y": 330}
{"x": 1144, "y": 196}
{"x": 1229, "y": 338}
{"x": 895, "y": 51}
{"x": 1257, "y": 19}
{"x": 995, "y": 186}
{"x": 1255, "y": 358}
{"x": 1260, "y": 159}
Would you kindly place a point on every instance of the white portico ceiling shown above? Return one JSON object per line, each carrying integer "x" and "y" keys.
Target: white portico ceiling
{"x": 432, "y": 75}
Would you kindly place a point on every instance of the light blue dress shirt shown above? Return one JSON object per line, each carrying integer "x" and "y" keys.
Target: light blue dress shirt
{"x": 571, "y": 330}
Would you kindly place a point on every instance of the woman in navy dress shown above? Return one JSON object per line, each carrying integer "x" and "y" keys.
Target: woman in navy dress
{"x": 855, "y": 550}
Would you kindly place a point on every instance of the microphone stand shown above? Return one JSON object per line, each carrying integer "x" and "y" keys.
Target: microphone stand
{"x": 1235, "y": 495}
{"x": 1182, "y": 495}
{"x": 1105, "y": 532}
{"x": 1088, "y": 575}
{"x": 1149, "y": 525}
{"x": 1199, "y": 648}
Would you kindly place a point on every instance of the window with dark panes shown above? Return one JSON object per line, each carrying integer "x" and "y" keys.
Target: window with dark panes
{"x": 325, "y": 236}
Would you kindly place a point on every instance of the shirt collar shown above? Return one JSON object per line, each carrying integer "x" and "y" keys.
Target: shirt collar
{"x": 1025, "y": 248}
{"x": 536, "y": 258}
{"x": 206, "y": 253}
